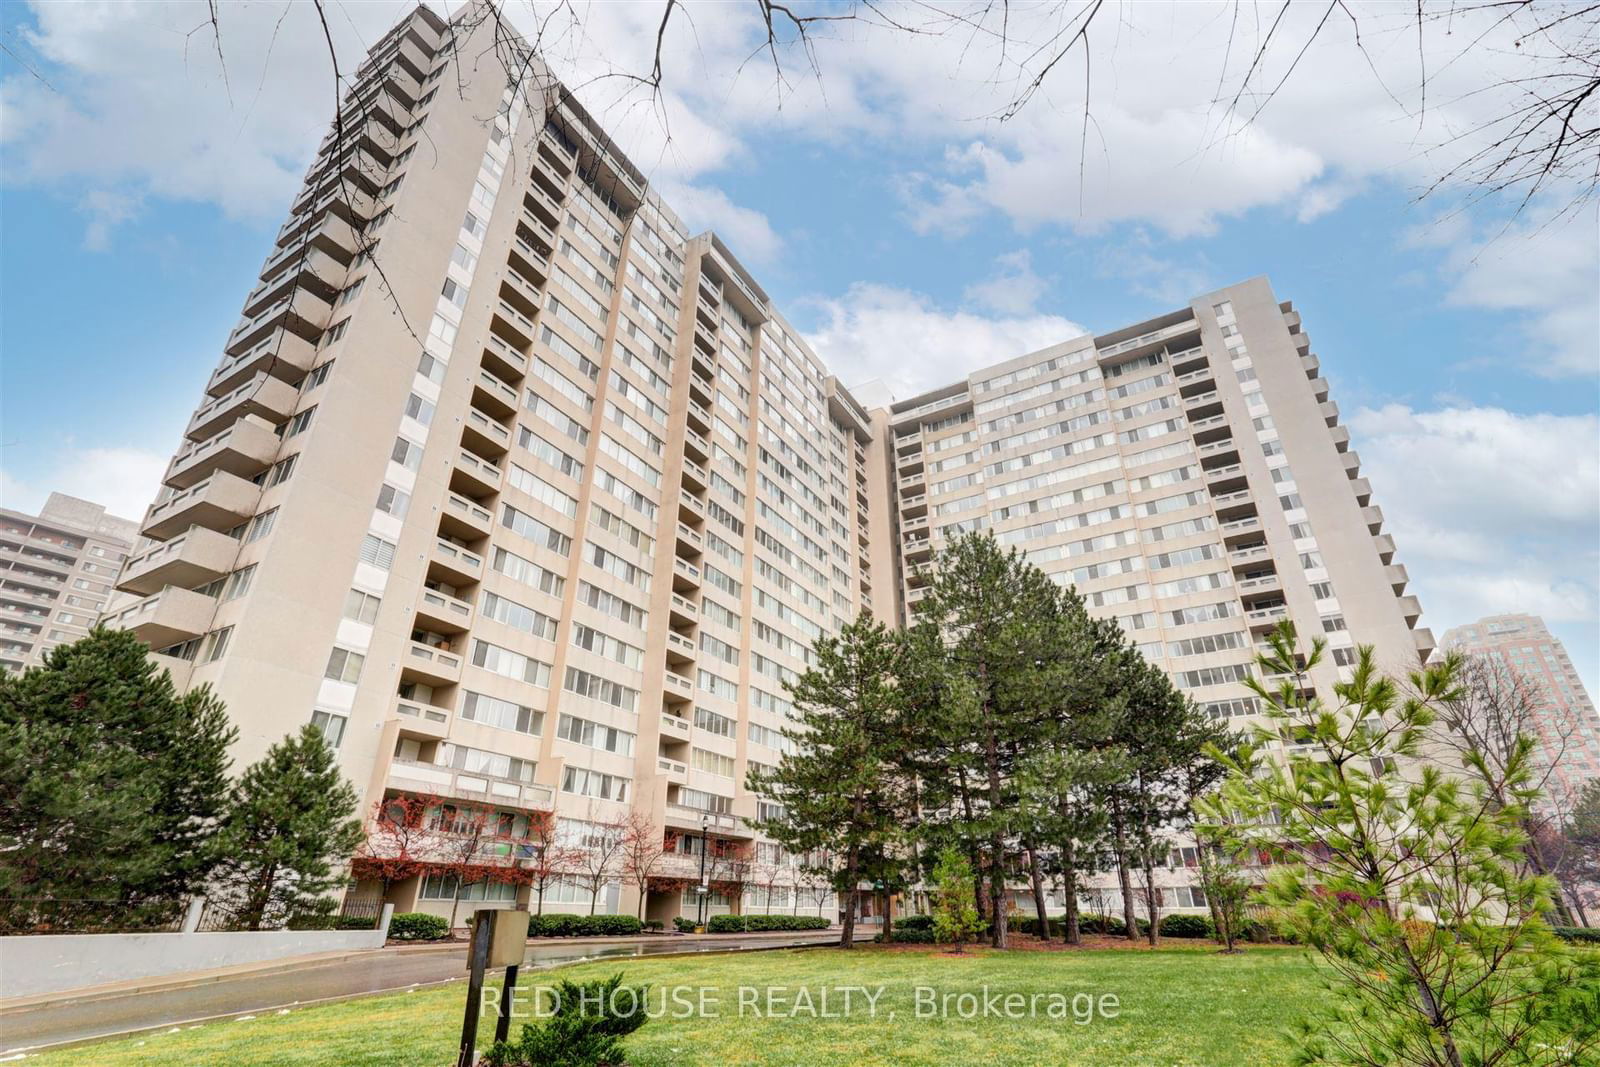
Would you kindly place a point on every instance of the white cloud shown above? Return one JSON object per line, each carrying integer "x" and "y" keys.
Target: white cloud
{"x": 902, "y": 339}
{"x": 105, "y": 211}
{"x": 1492, "y": 512}
{"x": 1014, "y": 289}
{"x": 123, "y": 479}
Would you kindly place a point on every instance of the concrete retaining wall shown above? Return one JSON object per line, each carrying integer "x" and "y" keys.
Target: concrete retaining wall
{"x": 53, "y": 963}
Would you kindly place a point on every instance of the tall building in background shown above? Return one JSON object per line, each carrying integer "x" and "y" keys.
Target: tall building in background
{"x": 58, "y": 570}
{"x": 1189, "y": 475}
{"x": 531, "y": 499}
{"x": 1568, "y": 728}
{"x": 521, "y": 493}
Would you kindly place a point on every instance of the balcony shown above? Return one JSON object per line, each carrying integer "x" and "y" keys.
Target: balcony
{"x": 1319, "y": 388}
{"x": 913, "y": 506}
{"x": 512, "y": 324}
{"x": 410, "y": 776}
{"x": 220, "y": 502}
{"x": 422, "y": 720}
{"x": 1239, "y": 528}
{"x": 694, "y": 475}
{"x": 494, "y": 396}
{"x": 453, "y": 564}
{"x": 1372, "y": 515}
{"x": 685, "y": 575}
{"x": 281, "y": 353}
{"x": 690, "y": 542}
{"x": 332, "y": 236}
{"x": 430, "y": 665}
{"x": 474, "y": 475}
{"x": 676, "y": 686}
{"x": 503, "y": 358}
{"x": 1397, "y": 576}
{"x": 695, "y": 446}
{"x": 918, "y": 523}
{"x": 1267, "y": 618}
{"x": 461, "y": 518}
{"x": 1204, "y": 404}
{"x": 531, "y": 265}
{"x": 672, "y": 769}
{"x": 691, "y": 507}
{"x": 1410, "y": 609}
{"x": 674, "y": 727}
{"x": 1235, "y": 499}
{"x": 271, "y": 398}
{"x": 310, "y": 266}
{"x": 699, "y": 417}
{"x": 1340, "y": 436}
{"x": 1224, "y": 447}
{"x": 686, "y": 818}
{"x": 443, "y": 613}
{"x": 1351, "y": 461}
{"x": 245, "y": 449}
{"x": 170, "y": 617}
{"x": 1363, "y": 490}
{"x": 918, "y": 549}
{"x": 1330, "y": 412}
{"x": 682, "y": 610}
{"x": 1385, "y": 546}
{"x": 680, "y": 649}
{"x": 301, "y": 313}
{"x": 188, "y": 560}
{"x": 1266, "y": 583}
{"x": 522, "y": 293}
{"x": 1232, "y": 472}
{"x": 484, "y": 435}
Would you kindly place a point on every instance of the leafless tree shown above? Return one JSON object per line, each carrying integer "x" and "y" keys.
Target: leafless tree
{"x": 598, "y": 854}
{"x": 644, "y": 845}
{"x": 1495, "y": 707}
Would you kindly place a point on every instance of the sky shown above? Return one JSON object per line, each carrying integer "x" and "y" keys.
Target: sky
{"x": 907, "y": 229}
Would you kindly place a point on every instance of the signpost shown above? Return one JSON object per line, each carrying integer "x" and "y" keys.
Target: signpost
{"x": 499, "y": 939}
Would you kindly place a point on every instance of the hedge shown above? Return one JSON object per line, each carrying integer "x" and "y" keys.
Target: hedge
{"x": 1578, "y": 934}
{"x": 914, "y": 922}
{"x": 1178, "y": 925}
{"x": 562, "y": 924}
{"x": 418, "y": 926}
{"x": 682, "y": 925}
{"x": 742, "y": 924}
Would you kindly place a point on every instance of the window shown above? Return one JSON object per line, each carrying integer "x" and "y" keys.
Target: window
{"x": 239, "y": 583}
{"x": 502, "y": 714}
{"x": 595, "y": 735}
{"x": 318, "y": 375}
{"x": 393, "y": 501}
{"x": 604, "y": 690}
{"x": 361, "y": 607}
{"x": 344, "y": 666}
{"x": 513, "y": 614}
{"x": 216, "y": 644}
{"x": 586, "y": 783}
{"x": 261, "y": 525}
{"x": 509, "y": 664}
{"x": 300, "y": 423}
{"x": 281, "y": 470}
{"x": 442, "y": 329}
{"x": 419, "y": 409}
{"x": 473, "y": 226}
{"x": 464, "y": 259}
{"x": 331, "y": 725}
{"x": 376, "y": 551}
{"x": 352, "y": 290}
{"x": 702, "y": 759}
{"x": 711, "y": 722}
{"x": 455, "y": 292}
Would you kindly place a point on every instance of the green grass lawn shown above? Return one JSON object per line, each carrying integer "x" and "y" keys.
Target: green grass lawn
{"x": 1177, "y": 1006}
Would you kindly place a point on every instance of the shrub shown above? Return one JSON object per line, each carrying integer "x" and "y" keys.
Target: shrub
{"x": 682, "y": 925}
{"x": 562, "y": 924}
{"x": 1185, "y": 926}
{"x": 652, "y": 924}
{"x": 585, "y": 1029}
{"x": 914, "y": 922}
{"x": 418, "y": 926}
{"x": 310, "y": 922}
{"x": 1577, "y": 934}
{"x": 743, "y": 924}
{"x": 909, "y": 937}
{"x": 356, "y": 922}
{"x": 1030, "y": 925}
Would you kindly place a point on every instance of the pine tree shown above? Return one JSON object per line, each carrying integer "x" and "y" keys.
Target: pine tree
{"x": 839, "y": 792}
{"x": 955, "y": 919}
{"x": 111, "y": 785}
{"x": 287, "y": 834}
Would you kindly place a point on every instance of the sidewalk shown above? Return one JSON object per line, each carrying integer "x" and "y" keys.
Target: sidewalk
{"x": 394, "y": 949}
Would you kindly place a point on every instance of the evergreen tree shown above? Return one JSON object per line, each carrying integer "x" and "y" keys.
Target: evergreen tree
{"x": 839, "y": 792}
{"x": 287, "y": 833}
{"x": 955, "y": 919}
{"x": 110, "y": 787}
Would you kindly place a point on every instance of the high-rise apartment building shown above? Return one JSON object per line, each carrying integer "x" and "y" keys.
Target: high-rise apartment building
{"x": 524, "y": 495}
{"x": 1189, "y": 475}
{"x": 531, "y": 499}
{"x": 1568, "y": 729}
{"x": 56, "y": 574}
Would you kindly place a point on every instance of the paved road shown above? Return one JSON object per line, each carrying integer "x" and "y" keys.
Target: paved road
{"x": 69, "y": 1021}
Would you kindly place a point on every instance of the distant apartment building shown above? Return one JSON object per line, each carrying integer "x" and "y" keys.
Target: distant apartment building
{"x": 1568, "y": 727}
{"x": 58, "y": 570}
{"x": 1190, "y": 476}
{"x": 533, "y": 500}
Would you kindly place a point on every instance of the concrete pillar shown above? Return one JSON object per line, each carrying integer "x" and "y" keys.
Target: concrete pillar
{"x": 191, "y": 918}
{"x": 383, "y": 919}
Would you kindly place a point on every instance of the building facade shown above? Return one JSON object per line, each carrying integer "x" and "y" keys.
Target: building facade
{"x": 57, "y": 569}
{"x": 1189, "y": 475}
{"x": 532, "y": 501}
{"x": 1568, "y": 729}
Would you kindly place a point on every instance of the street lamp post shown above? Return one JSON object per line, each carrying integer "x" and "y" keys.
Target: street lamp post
{"x": 700, "y": 910}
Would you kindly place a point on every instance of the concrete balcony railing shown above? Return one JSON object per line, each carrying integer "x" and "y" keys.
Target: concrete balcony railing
{"x": 674, "y": 727}
{"x": 475, "y": 474}
{"x": 1266, "y": 618}
{"x": 484, "y": 435}
{"x": 676, "y": 686}
{"x": 263, "y": 394}
{"x": 443, "y": 613}
{"x": 423, "y": 720}
{"x": 281, "y": 353}
{"x": 219, "y": 502}
{"x": 672, "y": 769}
{"x": 430, "y": 665}
{"x": 301, "y": 312}
{"x": 503, "y": 358}
{"x": 494, "y": 396}
{"x": 696, "y": 446}
{"x": 170, "y": 617}
{"x": 190, "y": 559}
{"x": 464, "y": 519}
{"x": 245, "y": 449}
{"x": 683, "y": 609}
{"x": 416, "y": 777}
{"x": 454, "y": 562}
{"x": 681, "y": 817}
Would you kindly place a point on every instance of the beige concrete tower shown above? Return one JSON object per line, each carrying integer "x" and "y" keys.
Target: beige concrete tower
{"x": 524, "y": 495}
{"x": 56, "y": 574}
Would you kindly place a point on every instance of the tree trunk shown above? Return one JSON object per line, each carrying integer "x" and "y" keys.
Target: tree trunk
{"x": 1038, "y": 894}
{"x": 643, "y": 893}
{"x": 1123, "y": 879}
{"x": 997, "y": 839}
{"x": 455, "y": 903}
{"x": 1069, "y": 886}
{"x": 847, "y": 937}
{"x": 1558, "y": 903}
{"x": 1219, "y": 922}
{"x": 1152, "y": 899}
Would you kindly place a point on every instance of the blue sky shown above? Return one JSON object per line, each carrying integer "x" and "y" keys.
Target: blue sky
{"x": 910, "y": 234}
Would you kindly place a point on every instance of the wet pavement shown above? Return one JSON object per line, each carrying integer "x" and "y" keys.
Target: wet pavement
{"x": 66, "y": 1021}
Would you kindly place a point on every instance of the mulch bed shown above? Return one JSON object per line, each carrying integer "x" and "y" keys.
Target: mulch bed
{"x": 1016, "y": 942}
